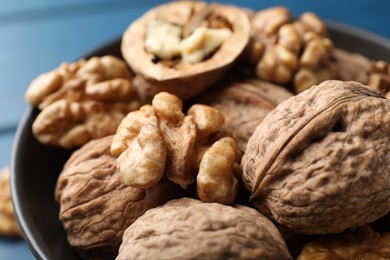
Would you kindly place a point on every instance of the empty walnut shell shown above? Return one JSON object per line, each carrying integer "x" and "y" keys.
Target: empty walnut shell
{"x": 244, "y": 104}
{"x": 319, "y": 163}
{"x": 182, "y": 79}
{"x": 189, "y": 229}
{"x": 95, "y": 206}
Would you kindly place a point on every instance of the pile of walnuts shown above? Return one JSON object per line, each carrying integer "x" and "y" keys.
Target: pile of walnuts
{"x": 224, "y": 133}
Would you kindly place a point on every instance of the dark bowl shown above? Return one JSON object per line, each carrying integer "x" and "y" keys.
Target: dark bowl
{"x": 35, "y": 167}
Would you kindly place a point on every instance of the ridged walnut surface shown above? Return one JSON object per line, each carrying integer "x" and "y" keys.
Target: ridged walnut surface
{"x": 244, "y": 104}
{"x": 95, "y": 206}
{"x": 319, "y": 163}
{"x": 190, "y": 229}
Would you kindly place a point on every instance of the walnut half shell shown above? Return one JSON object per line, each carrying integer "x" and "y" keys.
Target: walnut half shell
{"x": 173, "y": 75}
{"x": 319, "y": 163}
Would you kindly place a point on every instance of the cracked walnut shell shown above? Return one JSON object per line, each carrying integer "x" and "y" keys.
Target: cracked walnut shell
{"x": 95, "y": 206}
{"x": 319, "y": 162}
{"x": 210, "y": 36}
{"x": 81, "y": 101}
{"x": 189, "y": 229}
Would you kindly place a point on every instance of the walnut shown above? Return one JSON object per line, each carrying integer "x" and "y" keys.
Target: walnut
{"x": 379, "y": 77}
{"x": 291, "y": 52}
{"x": 318, "y": 163}
{"x": 184, "y": 47}
{"x": 363, "y": 243}
{"x": 95, "y": 206}
{"x": 352, "y": 66}
{"x": 81, "y": 101}
{"x": 244, "y": 103}
{"x": 215, "y": 180}
{"x": 8, "y": 225}
{"x": 190, "y": 229}
{"x": 160, "y": 140}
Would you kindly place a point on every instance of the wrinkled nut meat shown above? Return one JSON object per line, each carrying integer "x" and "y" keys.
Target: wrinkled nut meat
{"x": 319, "y": 162}
{"x": 215, "y": 180}
{"x": 189, "y": 229}
{"x": 244, "y": 103}
{"x": 95, "y": 206}
{"x": 363, "y": 243}
{"x": 183, "y": 47}
{"x": 81, "y": 101}
{"x": 298, "y": 52}
{"x": 8, "y": 225}
{"x": 160, "y": 140}
{"x": 379, "y": 77}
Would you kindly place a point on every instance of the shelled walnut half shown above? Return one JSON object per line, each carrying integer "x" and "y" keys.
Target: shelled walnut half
{"x": 319, "y": 162}
{"x": 8, "y": 225}
{"x": 189, "y": 229}
{"x": 379, "y": 77}
{"x": 95, "y": 207}
{"x": 297, "y": 53}
{"x": 159, "y": 141}
{"x": 362, "y": 243}
{"x": 81, "y": 101}
{"x": 183, "y": 47}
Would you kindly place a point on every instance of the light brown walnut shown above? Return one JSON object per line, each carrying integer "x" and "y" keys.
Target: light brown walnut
{"x": 189, "y": 229}
{"x": 244, "y": 103}
{"x": 8, "y": 225}
{"x": 319, "y": 162}
{"x": 362, "y": 243}
{"x": 297, "y": 53}
{"x": 379, "y": 77}
{"x": 184, "y": 47}
{"x": 95, "y": 206}
{"x": 81, "y": 101}
{"x": 159, "y": 141}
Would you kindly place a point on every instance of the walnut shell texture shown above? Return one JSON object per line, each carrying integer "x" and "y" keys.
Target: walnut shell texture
{"x": 244, "y": 104}
{"x": 95, "y": 206}
{"x": 189, "y": 229}
{"x": 319, "y": 163}
{"x": 187, "y": 80}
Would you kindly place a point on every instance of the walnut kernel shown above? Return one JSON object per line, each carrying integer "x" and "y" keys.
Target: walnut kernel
{"x": 81, "y": 101}
{"x": 159, "y": 139}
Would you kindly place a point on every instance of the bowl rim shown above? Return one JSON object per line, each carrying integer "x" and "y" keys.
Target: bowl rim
{"x": 29, "y": 236}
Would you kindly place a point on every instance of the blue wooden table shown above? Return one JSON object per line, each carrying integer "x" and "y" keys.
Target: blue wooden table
{"x": 37, "y": 35}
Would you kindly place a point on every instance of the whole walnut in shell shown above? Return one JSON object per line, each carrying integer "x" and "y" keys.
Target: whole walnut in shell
{"x": 183, "y": 47}
{"x": 291, "y": 52}
{"x": 81, "y": 101}
{"x": 244, "y": 103}
{"x": 189, "y": 229}
{"x": 319, "y": 162}
{"x": 95, "y": 206}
